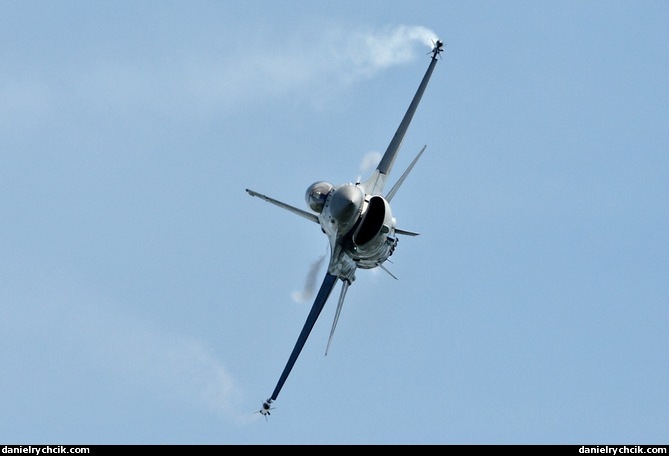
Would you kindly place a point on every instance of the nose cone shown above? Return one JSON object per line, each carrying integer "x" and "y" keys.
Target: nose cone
{"x": 345, "y": 204}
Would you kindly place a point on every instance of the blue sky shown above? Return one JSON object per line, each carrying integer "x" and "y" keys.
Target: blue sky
{"x": 147, "y": 299}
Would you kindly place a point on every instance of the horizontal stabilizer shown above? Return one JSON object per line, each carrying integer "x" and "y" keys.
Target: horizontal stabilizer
{"x": 405, "y": 232}
{"x": 307, "y": 215}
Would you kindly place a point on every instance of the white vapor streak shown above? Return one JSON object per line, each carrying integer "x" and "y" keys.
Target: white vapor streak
{"x": 310, "y": 286}
{"x": 331, "y": 59}
{"x": 194, "y": 80}
{"x": 369, "y": 161}
{"x": 381, "y": 49}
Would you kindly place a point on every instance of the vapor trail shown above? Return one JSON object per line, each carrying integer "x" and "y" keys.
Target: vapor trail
{"x": 311, "y": 282}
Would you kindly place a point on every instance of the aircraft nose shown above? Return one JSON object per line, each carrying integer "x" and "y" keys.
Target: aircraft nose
{"x": 345, "y": 205}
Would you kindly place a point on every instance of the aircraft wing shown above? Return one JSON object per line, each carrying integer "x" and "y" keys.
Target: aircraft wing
{"x": 374, "y": 185}
{"x": 326, "y": 288}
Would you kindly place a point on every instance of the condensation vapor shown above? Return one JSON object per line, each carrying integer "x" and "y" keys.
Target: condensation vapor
{"x": 310, "y": 285}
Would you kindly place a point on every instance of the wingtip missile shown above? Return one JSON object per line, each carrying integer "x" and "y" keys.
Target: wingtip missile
{"x": 266, "y": 407}
{"x": 437, "y": 49}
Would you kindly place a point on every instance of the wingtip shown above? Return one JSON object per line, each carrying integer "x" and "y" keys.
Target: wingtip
{"x": 266, "y": 407}
{"x": 437, "y": 49}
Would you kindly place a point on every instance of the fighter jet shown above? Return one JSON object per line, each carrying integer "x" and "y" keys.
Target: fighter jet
{"x": 357, "y": 219}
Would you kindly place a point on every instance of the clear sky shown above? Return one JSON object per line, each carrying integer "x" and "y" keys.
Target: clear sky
{"x": 145, "y": 298}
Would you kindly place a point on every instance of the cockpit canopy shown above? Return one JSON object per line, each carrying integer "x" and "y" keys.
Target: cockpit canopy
{"x": 316, "y": 195}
